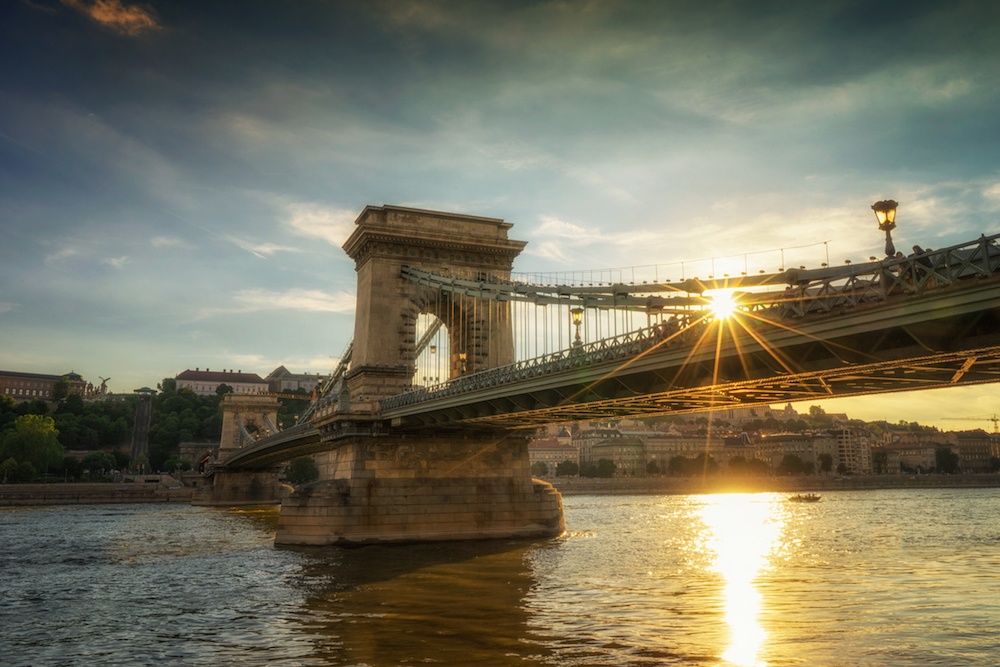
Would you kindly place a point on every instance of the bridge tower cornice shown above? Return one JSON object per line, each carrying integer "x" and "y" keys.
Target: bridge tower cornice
{"x": 415, "y": 236}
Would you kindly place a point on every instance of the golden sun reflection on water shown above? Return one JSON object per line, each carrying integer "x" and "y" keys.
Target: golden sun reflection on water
{"x": 743, "y": 530}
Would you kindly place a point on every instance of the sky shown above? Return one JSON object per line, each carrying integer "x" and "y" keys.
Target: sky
{"x": 177, "y": 178}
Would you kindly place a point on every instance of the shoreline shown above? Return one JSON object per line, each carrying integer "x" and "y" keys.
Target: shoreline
{"x": 815, "y": 483}
{"x": 92, "y": 493}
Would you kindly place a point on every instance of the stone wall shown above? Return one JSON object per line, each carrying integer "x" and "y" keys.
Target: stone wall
{"x": 422, "y": 489}
{"x": 92, "y": 493}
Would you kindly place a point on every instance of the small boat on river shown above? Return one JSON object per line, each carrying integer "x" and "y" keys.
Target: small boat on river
{"x": 804, "y": 498}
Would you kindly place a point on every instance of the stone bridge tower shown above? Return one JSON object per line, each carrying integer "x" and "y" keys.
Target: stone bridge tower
{"x": 462, "y": 246}
{"x": 242, "y": 414}
{"x": 383, "y": 484}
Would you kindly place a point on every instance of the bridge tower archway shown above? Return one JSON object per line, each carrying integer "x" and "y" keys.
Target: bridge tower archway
{"x": 388, "y": 238}
{"x": 242, "y": 414}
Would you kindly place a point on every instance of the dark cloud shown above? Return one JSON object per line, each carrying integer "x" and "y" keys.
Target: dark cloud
{"x": 680, "y": 127}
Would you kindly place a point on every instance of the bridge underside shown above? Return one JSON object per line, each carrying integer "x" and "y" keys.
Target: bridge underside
{"x": 949, "y": 338}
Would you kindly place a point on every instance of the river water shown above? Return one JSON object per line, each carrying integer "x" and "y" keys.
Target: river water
{"x": 900, "y": 577}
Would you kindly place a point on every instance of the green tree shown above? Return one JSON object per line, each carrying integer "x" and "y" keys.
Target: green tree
{"x": 945, "y": 460}
{"x": 677, "y": 465}
{"x": 568, "y": 469}
{"x": 72, "y": 404}
{"x": 98, "y": 464}
{"x": 61, "y": 389}
{"x": 26, "y": 472}
{"x": 652, "y": 468}
{"x": 825, "y": 463}
{"x": 289, "y": 409}
{"x": 35, "y": 440}
{"x": 71, "y": 468}
{"x": 9, "y": 471}
{"x": 539, "y": 469}
{"x": 301, "y": 471}
{"x": 791, "y": 464}
{"x": 175, "y": 463}
{"x": 880, "y": 462}
{"x": 605, "y": 468}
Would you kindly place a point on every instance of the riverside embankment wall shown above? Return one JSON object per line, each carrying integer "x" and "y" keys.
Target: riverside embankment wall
{"x": 92, "y": 493}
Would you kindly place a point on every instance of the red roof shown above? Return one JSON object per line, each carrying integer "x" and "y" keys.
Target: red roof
{"x": 219, "y": 377}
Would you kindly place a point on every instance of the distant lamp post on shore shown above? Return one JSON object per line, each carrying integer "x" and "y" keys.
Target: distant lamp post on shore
{"x": 885, "y": 212}
{"x": 577, "y": 315}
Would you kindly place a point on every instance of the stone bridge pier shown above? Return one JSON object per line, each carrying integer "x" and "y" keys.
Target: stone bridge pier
{"x": 386, "y": 484}
{"x": 418, "y": 489}
{"x": 245, "y": 417}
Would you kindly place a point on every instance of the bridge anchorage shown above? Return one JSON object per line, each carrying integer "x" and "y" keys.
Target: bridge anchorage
{"x": 421, "y": 432}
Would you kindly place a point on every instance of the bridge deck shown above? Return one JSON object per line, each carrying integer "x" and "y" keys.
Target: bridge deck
{"x": 898, "y": 325}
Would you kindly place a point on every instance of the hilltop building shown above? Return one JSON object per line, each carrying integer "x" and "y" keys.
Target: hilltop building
{"x": 281, "y": 381}
{"x": 206, "y": 382}
{"x": 32, "y": 386}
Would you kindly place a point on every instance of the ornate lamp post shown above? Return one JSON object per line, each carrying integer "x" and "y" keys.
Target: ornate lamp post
{"x": 885, "y": 212}
{"x": 577, "y": 315}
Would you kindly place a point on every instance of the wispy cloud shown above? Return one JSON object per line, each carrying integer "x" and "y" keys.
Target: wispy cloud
{"x": 116, "y": 262}
{"x": 306, "y": 300}
{"x": 552, "y": 226}
{"x": 166, "y": 242}
{"x": 61, "y": 255}
{"x": 8, "y": 306}
{"x": 131, "y": 20}
{"x": 992, "y": 195}
{"x": 315, "y": 221}
{"x": 262, "y": 250}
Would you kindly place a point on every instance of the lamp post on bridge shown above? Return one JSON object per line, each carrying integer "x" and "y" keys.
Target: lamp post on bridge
{"x": 885, "y": 212}
{"x": 577, "y": 315}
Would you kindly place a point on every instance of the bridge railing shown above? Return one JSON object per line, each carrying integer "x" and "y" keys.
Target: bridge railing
{"x": 826, "y": 290}
{"x": 808, "y": 292}
{"x": 623, "y": 346}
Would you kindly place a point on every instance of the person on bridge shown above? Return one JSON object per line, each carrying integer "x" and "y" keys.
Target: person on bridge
{"x": 925, "y": 264}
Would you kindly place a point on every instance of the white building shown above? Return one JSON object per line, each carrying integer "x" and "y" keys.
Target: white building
{"x": 206, "y": 382}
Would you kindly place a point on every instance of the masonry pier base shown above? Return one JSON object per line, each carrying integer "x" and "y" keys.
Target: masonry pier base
{"x": 240, "y": 487}
{"x": 422, "y": 488}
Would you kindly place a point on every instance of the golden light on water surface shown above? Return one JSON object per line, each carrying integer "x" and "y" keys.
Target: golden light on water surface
{"x": 743, "y": 530}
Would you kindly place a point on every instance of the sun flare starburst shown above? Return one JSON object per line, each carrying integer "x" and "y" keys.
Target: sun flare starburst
{"x": 723, "y": 303}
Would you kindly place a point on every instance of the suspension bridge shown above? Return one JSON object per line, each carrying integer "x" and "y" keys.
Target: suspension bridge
{"x": 455, "y": 359}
